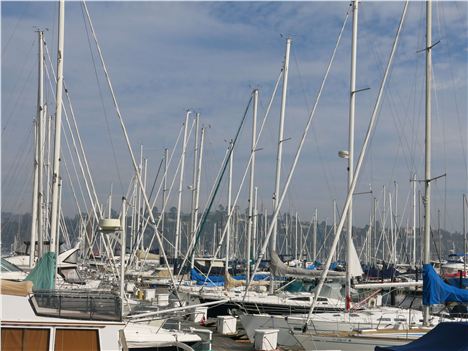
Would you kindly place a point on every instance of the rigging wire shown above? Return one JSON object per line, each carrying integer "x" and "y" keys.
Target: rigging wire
{"x": 19, "y": 97}
{"x": 19, "y": 161}
{"x": 325, "y": 169}
{"x": 106, "y": 118}
{"x": 15, "y": 27}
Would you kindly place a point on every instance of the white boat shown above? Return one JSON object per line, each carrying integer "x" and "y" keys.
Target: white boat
{"x": 141, "y": 336}
{"x": 23, "y": 328}
{"x": 365, "y": 340}
{"x": 260, "y": 301}
{"x": 68, "y": 320}
{"x": 291, "y": 328}
{"x": 454, "y": 265}
{"x": 10, "y": 271}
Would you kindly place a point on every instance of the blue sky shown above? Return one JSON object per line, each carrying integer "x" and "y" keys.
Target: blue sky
{"x": 166, "y": 57}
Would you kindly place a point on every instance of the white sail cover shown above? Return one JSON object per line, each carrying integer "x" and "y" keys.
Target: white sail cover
{"x": 279, "y": 269}
{"x": 355, "y": 266}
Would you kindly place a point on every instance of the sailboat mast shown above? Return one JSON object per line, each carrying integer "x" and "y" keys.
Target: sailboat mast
{"x": 40, "y": 159}
{"x": 229, "y": 204}
{"x": 123, "y": 234}
{"x": 181, "y": 182}
{"x": 164, "y": 195}
{"x": 314, "y": 237}
{"x": 34, "y": 196}
{"x": 58, "y": 130}
{"x": 352, "y": 107}
{"x": 279, "y": 154}
{"x": 193, "y": 227}
{"x": 255, "y": 223}
{"x": 414, "y": 221}
{"x": 465, "y": 248}
{"x": 280, "y": 140}
{"x": 251, "y": 183}
{"x": 427, "y": 171}
{"x": 37, "y": 189}
{"x": 198, "y": 184}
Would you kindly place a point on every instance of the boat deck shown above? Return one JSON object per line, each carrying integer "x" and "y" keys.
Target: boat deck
{"x": 237, "y": 342}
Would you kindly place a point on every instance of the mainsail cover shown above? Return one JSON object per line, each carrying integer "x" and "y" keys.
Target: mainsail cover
{"x": 436, "y": 291}
{"x": 279, "y": 269}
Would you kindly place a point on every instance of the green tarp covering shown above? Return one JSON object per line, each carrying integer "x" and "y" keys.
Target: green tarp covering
{"x": 43, "y": 275}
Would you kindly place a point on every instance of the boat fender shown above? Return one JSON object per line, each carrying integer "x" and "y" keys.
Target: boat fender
{"x": 372, "y": 303}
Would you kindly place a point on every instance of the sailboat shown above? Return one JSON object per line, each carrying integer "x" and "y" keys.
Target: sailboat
{"x": 386, "y": 326}
{"x": 69, "y": 319}
{"x": 435, "y": 291}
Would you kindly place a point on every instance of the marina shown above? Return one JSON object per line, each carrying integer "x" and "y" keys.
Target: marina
{"x": 182, "y": 196}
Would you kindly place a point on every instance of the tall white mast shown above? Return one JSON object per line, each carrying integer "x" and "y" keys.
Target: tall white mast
{"x": 198, "y": 184}
{"x": 58, "y": 130}
{"x": 295, "y": 236}
{"x": 164, "y": 193}
{"x": 143, "y": 207}
{"x": 314, "y": 237}
{"x": 229, "y": 204}
{"x": 465, "y": 248}
{"x": 384, "y": 226}
{"x": 279, "y": 155}
{"x": 427, "y": 172}
{"x": 374, "y": 241}
{"x": 414, "y": 222}
{"x": 36, "y": 221}
{"x": 34, "y": 194}
{"x": 352, "y": 104}
{"x": 48, "y": 185}
{"x": 193, "y": 227}
{"x": 123, "y": 231}
{"x": 40, "y": 159}
{"x": 254, "y": 224}
{"x": 139, "y": 196}
{"x": 396, "y": 226}
{"x": 181, "y": 183}
{"x": 251, "y": 183}
{"x": 337, "y": 251}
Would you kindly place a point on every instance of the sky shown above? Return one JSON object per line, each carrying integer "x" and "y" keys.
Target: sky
{"x": 166, "y": 57}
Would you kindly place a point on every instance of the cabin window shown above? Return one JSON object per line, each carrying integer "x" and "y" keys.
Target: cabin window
{"x": 76, "y": 340}
{"x": 6, "y": 266}
{"x": 24, "y": 339}
{"x": 301, "y": 298}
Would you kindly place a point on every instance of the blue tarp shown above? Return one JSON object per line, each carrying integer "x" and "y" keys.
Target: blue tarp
{"x": 445, "y": 336}
{"x": 218, "y": 280}
{"x": 388, "y": 272}
{"x": 257, "y": 277}
{"x": 43, "y": 275}
{"x": 436, "y": 291}
{"x": 212, "y": 280}
{"x": 456, "y": 282}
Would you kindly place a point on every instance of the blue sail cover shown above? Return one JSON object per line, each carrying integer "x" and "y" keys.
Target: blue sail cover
{"x": 211, "y": 280}
{"x": 456, "y": 282}
{"x": 218, "y": 280}
{"x": 436, "y": 291}
{"x": 445, "y": 336}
